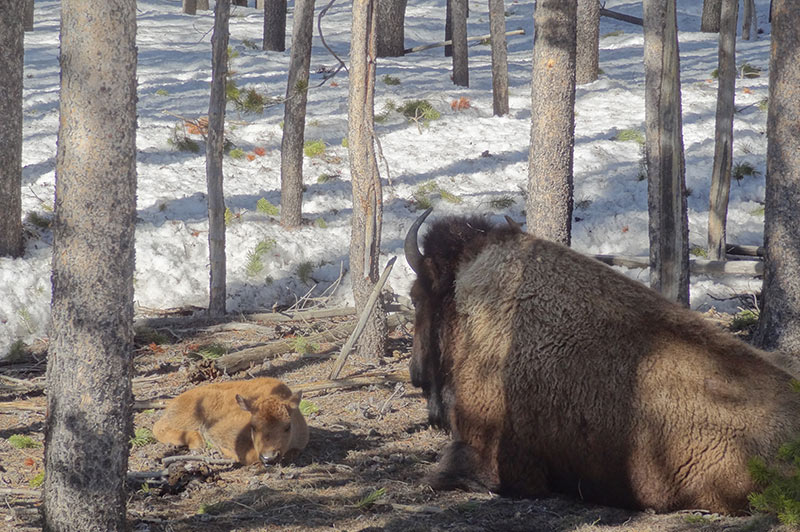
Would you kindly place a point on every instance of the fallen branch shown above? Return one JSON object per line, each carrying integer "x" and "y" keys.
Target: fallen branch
{"x": 362, "y": 321}
{"x": 621, "y": 16}
{"x": 702, "y": 266}
{"x": 353, "y": 382}
{"x": 203, "y": 320}
{"x": 450, "y": 42}
{"x": 21, "y": 491}
{"x": 194, "y": 458}
{"x": 750, "y": 251}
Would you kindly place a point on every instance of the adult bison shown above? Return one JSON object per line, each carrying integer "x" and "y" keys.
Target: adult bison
{"x": 554, "y": 373}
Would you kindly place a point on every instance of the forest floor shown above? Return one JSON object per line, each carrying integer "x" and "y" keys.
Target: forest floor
{"x": 370, "y": 447}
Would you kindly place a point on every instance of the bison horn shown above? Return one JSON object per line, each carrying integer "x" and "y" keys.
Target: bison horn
{"x": 512, "y": 224}
{"x": 413, "y": 256}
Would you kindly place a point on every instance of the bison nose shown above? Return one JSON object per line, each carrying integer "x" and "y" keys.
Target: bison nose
{"x": 270, "y": 457}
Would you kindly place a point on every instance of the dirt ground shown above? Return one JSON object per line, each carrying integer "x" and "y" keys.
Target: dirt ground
{"x": 362, "y": 470}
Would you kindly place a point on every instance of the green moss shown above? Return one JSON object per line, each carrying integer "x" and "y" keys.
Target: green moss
{"x": 307, "y": 407}
{"x": 19, "y": 441}
{"x": 744, "y": 320}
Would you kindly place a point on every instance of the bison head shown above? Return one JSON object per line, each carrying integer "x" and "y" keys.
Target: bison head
{"x": 270, "y": 424}
{"x": 448, "y": 243}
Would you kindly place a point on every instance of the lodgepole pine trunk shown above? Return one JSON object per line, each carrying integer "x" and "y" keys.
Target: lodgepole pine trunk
{"x": 497, "y": 28}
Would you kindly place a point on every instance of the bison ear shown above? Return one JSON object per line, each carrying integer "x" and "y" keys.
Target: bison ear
{"x": 294, "y": 400}
{"x": 243, "y": 404}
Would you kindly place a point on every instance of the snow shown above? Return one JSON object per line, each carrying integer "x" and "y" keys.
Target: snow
{"x": 174, "y": 74}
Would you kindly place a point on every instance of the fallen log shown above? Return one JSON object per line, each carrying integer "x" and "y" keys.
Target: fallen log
{"x": 183, "y": 321}
{"x": 696, "y": 266}
{"x": 621, "y": 16}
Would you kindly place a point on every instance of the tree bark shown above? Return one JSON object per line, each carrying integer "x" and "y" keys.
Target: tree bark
{"x": 203, "y": 5}
{"x": 28, "y": 15}
{"x": 365, "y": 236}
{"x": 89, "y": 365}
{"x": 666, "y": 189}
{"x": 549, "y": 204}
{"x": 460, "y": 50}
{"x": 391, "y": 27}
{"x": 294, "y": 116}
{"x": 723, "y": 137}
{"x": 497, "y": 28}
{"x": 748, "y": 18}
{"x": 448, "y": 28}
{"x": 214, "y": 152}
{"x": 587, "y": 53}
{"x": 709, "y": 21}
{"x": 11, "y": 64}
{"x": 274, "y": 26}
{"x": 779, "y": 326}
{"x": 190, "y": 7}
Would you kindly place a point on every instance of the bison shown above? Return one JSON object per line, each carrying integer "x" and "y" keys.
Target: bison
{"x": 555, "y": 373}
{"x": 250, "y": 421}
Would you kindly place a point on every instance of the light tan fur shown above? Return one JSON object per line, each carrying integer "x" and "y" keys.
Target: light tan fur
{"x": 250, "y": 421}
{"x": 560, "y": 374}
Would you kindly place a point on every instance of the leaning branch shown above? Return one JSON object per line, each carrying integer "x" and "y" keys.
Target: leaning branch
{"x": 621, "y": 16}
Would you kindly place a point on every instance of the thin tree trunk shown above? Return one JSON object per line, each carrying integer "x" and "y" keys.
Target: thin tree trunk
{"x": 202, "y": 5}
{"x": 391, "y": 27}
{"x": 549, "y": 204}
{"x": 28, "y": 15}
{"x": 460, "y": 50}
{"x": 779, "y": 326}
{"x": 294, "y": 116}
{"x": 748, "y": 18}
{"x": 11, "y": 64}
{"x": 709, "y": 21}
{"x": 497, "y": 28}
{"x": 214, "y": 152}
{"x": 190, "y": 7}
{"x": 274, "y": 26}
{"x": 89, "y": 365}
{"x": 365, "y": 236}
{"x": 669, "y": 229}
{"x": 587, "y": 53}
{"x": 723, "y": 137}
{"x": 448, "y": 28}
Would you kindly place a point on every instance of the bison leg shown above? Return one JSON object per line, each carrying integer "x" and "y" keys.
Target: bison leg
{"x": 190, "y": 438}
{"x": 461, "y": 467}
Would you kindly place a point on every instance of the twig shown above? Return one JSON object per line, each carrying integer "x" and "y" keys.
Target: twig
{"x": 341, "y": 65}
{"x": 398, "y": 388}
{"x": 362, "y": 322}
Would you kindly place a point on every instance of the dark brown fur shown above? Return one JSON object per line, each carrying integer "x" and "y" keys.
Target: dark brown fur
{"x": 555, "y": 373}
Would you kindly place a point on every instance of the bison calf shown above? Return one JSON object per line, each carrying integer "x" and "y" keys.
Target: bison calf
{"x": 250, "y": 421}
{"x": 555, "y": 373}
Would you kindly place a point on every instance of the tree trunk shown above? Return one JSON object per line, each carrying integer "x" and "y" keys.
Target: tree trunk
{"x": 779, "y": 327}
{"x": 274, "y": 25}
{"x": 202, "y": 5}
{"x": 723, "y": 137}
{"x": 28, "y": 15}
{"x": 549, "y": 204}
{"x": 214, "y": 151}
{"x": 89, "y": 365}
{"x": 709, "y": 21}
{"x": 669, "y": 229}
{"x": 497, "y": 28}
{"x": 448, "y": 28}
{"x": 365, "y": 235}
{"x": 587, "y": 52}
{"x": 11, "y": 62}
{"x": 460, "y": 50}
{"x": 391, "y": 27}
{"x": 748, "y": 18}
{"x": 294, "y": 116}
{"x": 190, "y": 7}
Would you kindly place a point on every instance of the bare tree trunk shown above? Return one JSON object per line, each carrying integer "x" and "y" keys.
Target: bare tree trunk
{"x": 448, "y": 28}
{"x": 11, "y": 64}
{"x": 190, "y": 7}
{"x": 202, "y": 5}
{"x": 669, "y": 229}
{"x": 89, "y": 365}
{"x": 709, "y": 21}
{"x": 497, "y": 28}
{"x": 274, "y": 26}
{"x": 460, "y": 50}
{"x": 549, "y": 204}
{"x": 587, "y": 53}
{"x": 28, "y": 15}
{"x": 365, "y": 236}
{"x": 779, "y": 327}
{"x": 391, "y": 27}
{"x": 214, "y": 151}
{"x": 294, "y": 116}
{"x": 748, "y": 18}
{"x": 723, "y": 138}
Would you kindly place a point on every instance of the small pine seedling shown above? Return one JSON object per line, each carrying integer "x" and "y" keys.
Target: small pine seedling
{"x": 313, "y": 148}
{"x": 744, "y": 320}
{"x": 779, "y": 487}
{"x": 42, "y": 222}
{"x": 302, "y": 346}
{"x": 181, "y": 142}
{"x": 37, "y": 481}
{"x": 742, "y": 169}
{"x": 228, "y": 216}
{"x": 307, "y": 407}
{"x": 211, "y": 351}
{"x": 141, "y": 437}
{"x": 321, "y": 223}
{"x": 265, "y": 207}
{"x": 162, "y": 92}
{"x": 419, "y": 110}
{"x": 699, "y": 251}
{"x": 370, "y": 499}
{"x": 236, "y": 153}
{"x": 391, "y": 80}
{"x": 630, "y": 135}
{"x": 19, "y": 441}
{"x": 304, "y": 271}
{"x": 254, "y": 264}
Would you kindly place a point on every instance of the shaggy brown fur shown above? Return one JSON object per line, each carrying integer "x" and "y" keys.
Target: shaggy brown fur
{"x": 249, "y": 421}
{"x": 555, "y": 373}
